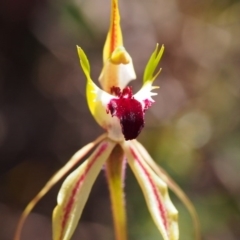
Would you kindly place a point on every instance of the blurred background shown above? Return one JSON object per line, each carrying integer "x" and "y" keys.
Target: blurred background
{"x": 192, "y": 131}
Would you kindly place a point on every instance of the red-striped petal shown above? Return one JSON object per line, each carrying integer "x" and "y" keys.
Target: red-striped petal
{"x": 155, "y": 192}
{"x": 75, "y": 191}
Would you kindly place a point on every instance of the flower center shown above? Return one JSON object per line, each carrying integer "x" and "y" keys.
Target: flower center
{"x": 128, "y": 110}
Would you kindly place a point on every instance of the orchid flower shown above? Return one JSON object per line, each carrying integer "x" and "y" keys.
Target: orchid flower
{"x": 121, "y": 114}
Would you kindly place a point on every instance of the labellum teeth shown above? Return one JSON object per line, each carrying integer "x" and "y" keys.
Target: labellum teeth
{"x": 128, "y": 110}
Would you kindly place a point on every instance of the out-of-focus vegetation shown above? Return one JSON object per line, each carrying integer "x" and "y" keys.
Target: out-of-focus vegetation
{"x": 193, "y": 129}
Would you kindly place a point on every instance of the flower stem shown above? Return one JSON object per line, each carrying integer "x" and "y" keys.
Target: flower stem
{"x": 115, "y": 171}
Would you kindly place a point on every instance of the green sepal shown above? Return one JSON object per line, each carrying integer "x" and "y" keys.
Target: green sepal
{"x": 152, "y": 64}
{"x": 84, "y": 62}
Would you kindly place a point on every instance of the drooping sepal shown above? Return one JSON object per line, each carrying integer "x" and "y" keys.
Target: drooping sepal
{"x": 75, "y": 159}
{"x": 173, "y": 186}
{"x": 163, "y": 212}
{"x": 75, "y": 191}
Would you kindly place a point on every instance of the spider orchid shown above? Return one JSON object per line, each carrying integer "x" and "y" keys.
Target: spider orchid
{"x": 121, "y": 114}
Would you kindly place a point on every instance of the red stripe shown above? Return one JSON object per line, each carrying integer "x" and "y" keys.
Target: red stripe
{"x": 75, "y": 190}
{"x": 161, "y": 207}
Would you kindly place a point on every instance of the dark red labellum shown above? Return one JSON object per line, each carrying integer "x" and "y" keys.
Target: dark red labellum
{"x": 128, "y": 110}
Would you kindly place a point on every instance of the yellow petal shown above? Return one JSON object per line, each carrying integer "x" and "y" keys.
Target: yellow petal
{"x": 75, "y": 191}
{"x": 92, "y": 88}
{"x": 155, "y": 192}
{"x": 97, "y": 99}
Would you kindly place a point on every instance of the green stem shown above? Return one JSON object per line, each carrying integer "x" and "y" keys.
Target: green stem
{"x": 115, "y": 176}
